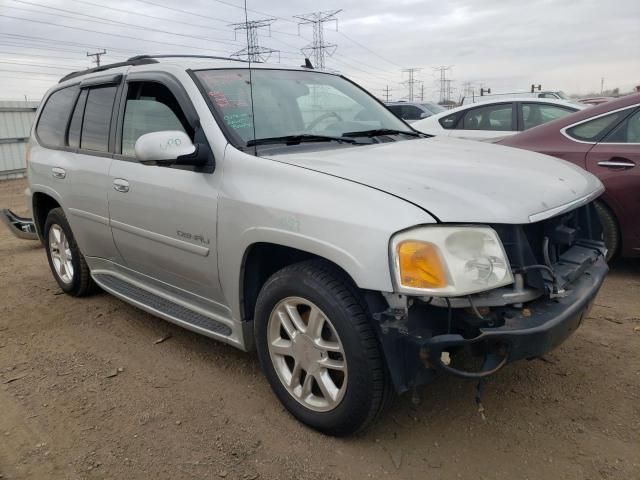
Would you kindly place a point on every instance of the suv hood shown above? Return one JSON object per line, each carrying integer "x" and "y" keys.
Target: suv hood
{"x": 458, "y": 180}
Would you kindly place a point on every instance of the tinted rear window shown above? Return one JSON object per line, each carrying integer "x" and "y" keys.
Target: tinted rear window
{"x": 97, "y": 119}
{"x": 53, "y": 121}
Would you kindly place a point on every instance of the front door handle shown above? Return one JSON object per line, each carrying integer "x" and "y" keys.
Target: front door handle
{"x": 58, "y": 172}
{"x": 617, "y": 162}
{"x": 121, "y": 185}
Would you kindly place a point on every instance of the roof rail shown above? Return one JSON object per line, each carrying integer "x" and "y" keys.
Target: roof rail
{"x": 142, "y": 60}
{"x": 144, "y": 57}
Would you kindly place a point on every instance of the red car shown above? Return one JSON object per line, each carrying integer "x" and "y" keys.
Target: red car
{"x": 605, "y": 140}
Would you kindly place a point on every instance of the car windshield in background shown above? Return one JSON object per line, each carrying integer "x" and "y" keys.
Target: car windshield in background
{"x": 294, "y": 105}
{"x": 434, "y": 107}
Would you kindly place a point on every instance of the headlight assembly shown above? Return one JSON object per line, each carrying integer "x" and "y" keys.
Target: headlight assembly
{"x": 449, "y": 261}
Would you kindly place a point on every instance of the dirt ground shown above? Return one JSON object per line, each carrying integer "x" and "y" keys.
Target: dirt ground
{"x": 87, "y": 391}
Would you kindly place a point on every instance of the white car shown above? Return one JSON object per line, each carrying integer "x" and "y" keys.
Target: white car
{"x": 495, "y": 119}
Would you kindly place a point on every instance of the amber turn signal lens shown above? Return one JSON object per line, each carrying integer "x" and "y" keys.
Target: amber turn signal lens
{"x": 420, "y": 265}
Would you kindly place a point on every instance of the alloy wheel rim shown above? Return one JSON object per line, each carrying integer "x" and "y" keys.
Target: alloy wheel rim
{"x": 61, "y": 256}
{"x": 307, "y": 354}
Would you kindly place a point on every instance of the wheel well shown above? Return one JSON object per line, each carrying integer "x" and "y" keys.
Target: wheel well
{"x": 42, "y": 205}
{"x": 260, "y": 262}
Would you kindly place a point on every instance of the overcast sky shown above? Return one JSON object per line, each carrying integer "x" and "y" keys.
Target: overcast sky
{"x": 505, "y": 45}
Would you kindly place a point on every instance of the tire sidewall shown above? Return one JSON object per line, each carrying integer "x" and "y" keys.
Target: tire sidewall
{"x": 356, "y": 403}
{"x": 57, "y": 217}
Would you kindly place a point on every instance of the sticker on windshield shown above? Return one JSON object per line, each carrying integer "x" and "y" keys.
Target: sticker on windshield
{"x": 238, "y": 121}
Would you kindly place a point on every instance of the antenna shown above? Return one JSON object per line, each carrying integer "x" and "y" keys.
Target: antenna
{"x": 253, "y": 112}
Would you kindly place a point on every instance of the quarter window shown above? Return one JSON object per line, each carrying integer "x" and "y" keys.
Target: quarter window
{"x": 150, "y": 107}
{"x": 534, "y": 114}
{"x": 97, "y": 119}
{"x": 491, "y": 117}
{"x": 54, "y": 119}
{"x": 594, "y": 130}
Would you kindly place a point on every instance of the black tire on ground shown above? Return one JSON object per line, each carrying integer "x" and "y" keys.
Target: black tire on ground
{"x": 81, "y": 283}
{"x": 368, "y": 390}
{"x": 611, "y": 231}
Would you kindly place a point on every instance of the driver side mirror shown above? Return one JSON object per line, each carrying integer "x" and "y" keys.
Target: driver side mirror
{"x": 170, "y": 147}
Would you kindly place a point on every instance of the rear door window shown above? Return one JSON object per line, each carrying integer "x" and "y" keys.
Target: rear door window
{"x": 534, "y": 114}
{"x": 627, "y": 132}
{"x": 491, "y": 117}
{"x": 54, "y": 119}
{"x": 97, "y": 119}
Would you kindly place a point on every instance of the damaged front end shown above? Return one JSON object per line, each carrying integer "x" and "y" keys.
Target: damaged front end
{"x": 558, "y": 266}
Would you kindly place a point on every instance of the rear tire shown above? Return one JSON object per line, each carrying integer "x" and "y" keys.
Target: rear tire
{"x": 359, "y": 390}
{"x": 611, "y": 232}
{"x": 67, "y": 264}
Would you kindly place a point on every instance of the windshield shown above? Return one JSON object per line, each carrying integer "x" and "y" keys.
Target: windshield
{"x": 292, "y": 103}
{"x": 563, "y": 96}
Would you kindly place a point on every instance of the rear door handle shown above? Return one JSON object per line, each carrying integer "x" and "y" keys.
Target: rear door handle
{"x": 121, "y": 185}
{"x": 58, "y": 172}
{"x": 617, "y": 162}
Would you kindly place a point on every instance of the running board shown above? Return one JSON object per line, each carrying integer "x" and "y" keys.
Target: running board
{"x": 162, "y": 307}
{"x": 21, "y": 227}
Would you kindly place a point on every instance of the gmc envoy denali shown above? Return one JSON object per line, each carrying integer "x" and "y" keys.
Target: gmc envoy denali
{"x": 287, "y": 210}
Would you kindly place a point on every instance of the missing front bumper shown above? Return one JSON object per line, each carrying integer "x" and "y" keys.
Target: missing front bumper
{"x": 414, "y": 356}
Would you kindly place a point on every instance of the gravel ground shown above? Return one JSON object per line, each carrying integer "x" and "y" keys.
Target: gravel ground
{"x": 88, "y": 390}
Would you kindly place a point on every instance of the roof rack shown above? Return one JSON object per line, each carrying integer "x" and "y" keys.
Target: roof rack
{"x": 143, "y": 57}
{"x": 131, "y": 61}
{"x": 140, "y": 60}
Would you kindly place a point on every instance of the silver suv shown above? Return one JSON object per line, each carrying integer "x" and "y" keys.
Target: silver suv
{"x": 289, "y": 211}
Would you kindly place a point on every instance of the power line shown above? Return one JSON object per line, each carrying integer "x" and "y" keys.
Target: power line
{"x": 318, "y": 48}
{"x": 111, "y": 34}
{"x": 411, "y": 81}
{"x": 97, "y": 55}
{"x": 445, "y": 88}
{"x": 369, "y": 50}
{"x": 109, "y": 22}
{"x": 253, "y": 51}
{"x": 387, "y": 93}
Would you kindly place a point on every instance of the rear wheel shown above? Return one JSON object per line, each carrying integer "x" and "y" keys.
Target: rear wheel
{"x": 611, "y": 232}
{"x": 318, "y": 350}
{"x": 67, "y": 264}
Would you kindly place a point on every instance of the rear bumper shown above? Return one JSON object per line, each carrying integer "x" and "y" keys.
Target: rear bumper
{"x": 526, "y": 333}
{"x": 21, "y": 227}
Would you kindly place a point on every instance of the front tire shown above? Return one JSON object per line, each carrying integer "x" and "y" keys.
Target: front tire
{"x": 611, "y": 232}
{"x": 67, "y": 264}
{"x": 318, "y": 350}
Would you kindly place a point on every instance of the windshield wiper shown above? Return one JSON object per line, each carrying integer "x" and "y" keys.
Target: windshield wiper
{"x": 297, "y": 139}
{"x": 381, "y": 131}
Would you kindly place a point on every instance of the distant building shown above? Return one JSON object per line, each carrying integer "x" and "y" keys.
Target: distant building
{"x": 15, "y": 125}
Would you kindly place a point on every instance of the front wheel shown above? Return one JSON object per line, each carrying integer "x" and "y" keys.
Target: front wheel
{"x": 318, "y": 349}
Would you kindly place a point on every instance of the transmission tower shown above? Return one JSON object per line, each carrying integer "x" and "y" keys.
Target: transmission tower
{"x": 445, "y": 91}
{"x": 387, "y": 93}
{"x": 253, "y": 51}
{"x": 318, "y": 49}
{"x": 411, "y": 81}
{"x": 97, "y": 55}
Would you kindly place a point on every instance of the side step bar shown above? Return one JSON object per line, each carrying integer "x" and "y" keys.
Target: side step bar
{"x": 162, "y": 307}
{"x": 21, "y": 227}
